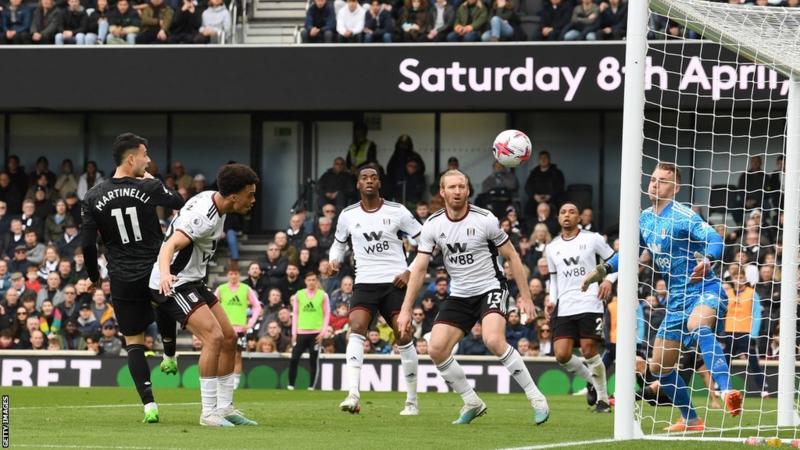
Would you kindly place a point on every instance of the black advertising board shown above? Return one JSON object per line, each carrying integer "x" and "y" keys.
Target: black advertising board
{"x": 446, "y": 77}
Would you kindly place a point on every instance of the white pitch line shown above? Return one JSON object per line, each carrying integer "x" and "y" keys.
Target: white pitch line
{"x": 89, "y": 446}
{"x": 126, "y": 405}
{"x": 563, "y": 444}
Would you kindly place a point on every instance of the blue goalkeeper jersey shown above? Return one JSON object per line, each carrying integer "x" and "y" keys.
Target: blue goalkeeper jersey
{"x": 672, "y": 238}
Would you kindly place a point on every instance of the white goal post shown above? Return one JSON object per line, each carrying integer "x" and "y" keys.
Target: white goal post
{"x": 766, "y": 36}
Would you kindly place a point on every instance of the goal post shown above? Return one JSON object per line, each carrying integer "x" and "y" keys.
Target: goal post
{"x": 765, "y": 36}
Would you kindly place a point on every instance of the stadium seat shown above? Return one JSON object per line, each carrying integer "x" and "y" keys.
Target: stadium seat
{"x": 529, "y": 16}
{"x": 580, "y": 194}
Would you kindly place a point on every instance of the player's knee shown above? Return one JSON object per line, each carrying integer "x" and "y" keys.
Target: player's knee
{"x": 401, "y": 339}
{"x": 214, "y": 338}
{"x": 358, "y": 328}
{"x": 438, "y": 352}
{"x": 563, "y": 357}
{"x": 496, "y": 344}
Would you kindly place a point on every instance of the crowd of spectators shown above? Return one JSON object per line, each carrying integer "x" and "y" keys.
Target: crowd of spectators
{"x": 463, "y": 20}
{"x": 94, "y": 22}
{"x": 46, "y": 303}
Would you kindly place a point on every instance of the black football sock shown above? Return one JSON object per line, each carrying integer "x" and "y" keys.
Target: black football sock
{"x": 140, "y": 372}
{"x": 167, "y": 330}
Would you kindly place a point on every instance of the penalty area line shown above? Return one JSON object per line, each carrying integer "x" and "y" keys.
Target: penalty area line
{"x": 126, "y": 405}
{"x": 563, "y": 444}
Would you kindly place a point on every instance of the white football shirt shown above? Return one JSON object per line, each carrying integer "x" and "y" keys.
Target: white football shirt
{"x": 376, "y": 238}
{"x": 569, "y": 262}
{"x": 200, "y": 220}
{"x": 469, "y": 247}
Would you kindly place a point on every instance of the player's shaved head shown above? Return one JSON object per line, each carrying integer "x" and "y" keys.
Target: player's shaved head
{"x": 368, "y": 182}
{"x": 567, "y": 206}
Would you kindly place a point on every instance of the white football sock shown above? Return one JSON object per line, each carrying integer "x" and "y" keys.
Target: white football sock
{"x": 598, "y": 371}
{"x": 516, "y": 367}
{"x": 576, "y": 366}
{"x": 409, "y": 360}
{"x": 355, "y": 358}
{"x": 208, "y": 394}
{"x": 236, "y": 378}
{"x": 224, "y": 391}
{"x": 454, "y": 375}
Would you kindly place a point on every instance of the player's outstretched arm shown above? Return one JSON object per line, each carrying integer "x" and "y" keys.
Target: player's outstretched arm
{"x": 417, "y": 274}
{"x": 89, "y": 243}
{"x": 177, "y": 242}
{"x": 163, "y": 195}
{"x": 524, "y": 302}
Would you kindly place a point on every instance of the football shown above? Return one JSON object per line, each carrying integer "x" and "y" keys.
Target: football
{"x": 511, "y": 148}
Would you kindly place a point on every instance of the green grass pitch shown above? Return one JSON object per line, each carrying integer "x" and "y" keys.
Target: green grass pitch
{"x": 78, "y": 418}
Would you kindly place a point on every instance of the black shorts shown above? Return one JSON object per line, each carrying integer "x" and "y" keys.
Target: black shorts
{"x": 385, "y": 298}
{"x": 132, "y": 302}
{"x": 186, "y": 300}
{"x": 241, "y": 341}
{"x": 578, "y": 326}
{"x": 462, "y": 313}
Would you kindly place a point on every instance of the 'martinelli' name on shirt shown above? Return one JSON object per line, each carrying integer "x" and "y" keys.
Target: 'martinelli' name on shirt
{"x": 121, "y": 192}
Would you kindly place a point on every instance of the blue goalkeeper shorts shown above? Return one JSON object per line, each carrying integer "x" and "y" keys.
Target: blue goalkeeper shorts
{"x": 675, "y": 324}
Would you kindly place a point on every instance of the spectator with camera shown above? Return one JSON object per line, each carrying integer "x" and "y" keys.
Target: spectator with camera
{"x": 320, "y": 24}
{"x": 66, "y": 180}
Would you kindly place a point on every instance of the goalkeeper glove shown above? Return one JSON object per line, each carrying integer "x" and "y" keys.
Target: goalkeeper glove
{"x": 595, "y": 276}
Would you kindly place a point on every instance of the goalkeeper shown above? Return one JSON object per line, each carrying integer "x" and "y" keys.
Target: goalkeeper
{"x": 683, "y": 249}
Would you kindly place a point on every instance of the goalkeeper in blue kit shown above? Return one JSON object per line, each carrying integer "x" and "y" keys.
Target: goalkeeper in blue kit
{"x": 683, "y": 248}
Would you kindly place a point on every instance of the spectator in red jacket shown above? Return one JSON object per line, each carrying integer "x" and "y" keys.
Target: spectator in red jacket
{"x": 340, "y": 317}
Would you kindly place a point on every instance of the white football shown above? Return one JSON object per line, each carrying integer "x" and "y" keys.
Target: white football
{"x": 511, "y": 148}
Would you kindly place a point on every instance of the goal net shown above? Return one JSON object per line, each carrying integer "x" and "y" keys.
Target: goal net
{"x": 717, "y": 81}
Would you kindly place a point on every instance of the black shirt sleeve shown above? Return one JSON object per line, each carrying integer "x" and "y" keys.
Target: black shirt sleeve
{"x": 89, "y": 241}
{"x": 163, "y": 196}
